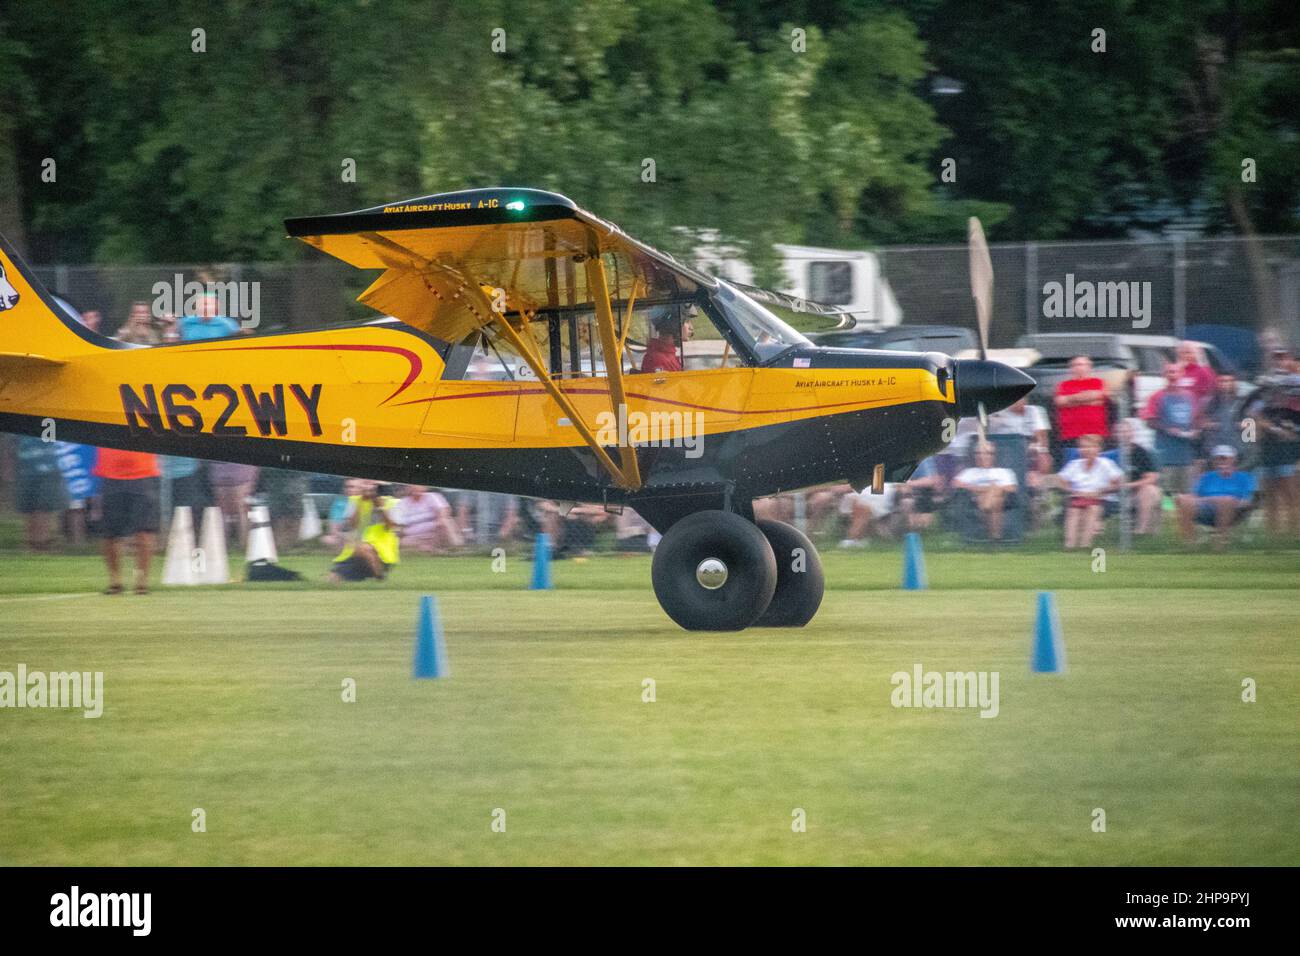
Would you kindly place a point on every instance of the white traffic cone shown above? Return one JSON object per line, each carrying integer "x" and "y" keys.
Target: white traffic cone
{"x": 261, "y": 542}
{"x": 213, "y": 567}
{"x": 309, "y": 529}
{"x": 178, "y": 565}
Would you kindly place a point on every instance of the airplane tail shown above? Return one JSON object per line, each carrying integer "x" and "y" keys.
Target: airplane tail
{"x": 35, "y": 331}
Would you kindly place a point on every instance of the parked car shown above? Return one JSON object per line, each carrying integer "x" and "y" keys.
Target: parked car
{"x": 1113, "y": 362}
{"x": 1154, "y": 352}
{"x": 949, "y": 339}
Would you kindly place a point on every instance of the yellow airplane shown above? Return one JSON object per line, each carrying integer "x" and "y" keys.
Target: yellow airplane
{"x": 534, "y": 349}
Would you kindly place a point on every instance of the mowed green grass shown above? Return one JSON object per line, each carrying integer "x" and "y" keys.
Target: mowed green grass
{"x": 229, "y": 700}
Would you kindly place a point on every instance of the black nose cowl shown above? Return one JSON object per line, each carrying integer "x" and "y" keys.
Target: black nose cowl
{"x": 995, "y": 385}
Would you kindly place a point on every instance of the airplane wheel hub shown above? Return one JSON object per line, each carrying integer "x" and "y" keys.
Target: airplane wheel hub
{"x": 711, "y": 573}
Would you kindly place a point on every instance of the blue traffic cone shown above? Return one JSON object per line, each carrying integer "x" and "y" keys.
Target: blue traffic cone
{"x": 913, "y": 563}
{"x": 541, "y": 563}
{"x": 430, "y": 654}
{"x": 1049, "y": 647}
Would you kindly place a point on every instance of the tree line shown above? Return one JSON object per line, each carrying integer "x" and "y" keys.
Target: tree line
{"x": 175, "y": 130}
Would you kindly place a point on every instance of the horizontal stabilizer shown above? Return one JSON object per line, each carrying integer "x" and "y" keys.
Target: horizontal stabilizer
{"x": 18, "y": 360}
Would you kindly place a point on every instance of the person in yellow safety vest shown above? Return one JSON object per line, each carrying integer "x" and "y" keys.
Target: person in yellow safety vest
{"x": 370, "y": 545}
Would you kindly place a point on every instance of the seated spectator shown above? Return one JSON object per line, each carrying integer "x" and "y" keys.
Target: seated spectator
{"x": 208, "y": 323}
{"x": 129, "y": 492}
{"x": 426, "y": 521}
{"x": 824, "y": 507}
{"x": 1024, "y": 419}
{"x": 989, "y": 488}
{"x": 91, "y": 319}
{"x": 1171, "y": 413}
{"x": 960, "y": 450}
{"x": 140, "y": 327}
{"x": 869, "y": 515}
{"x": 1080, "y": 402}
{"x": 632, "y": 533}
{"x": 496, "y": 515}
{"x": 921, "y": 495}
{"x": 1088, "y": 480}
{"x": 1223, "y": 496}
{"x": 372, "y": 546}
{"x": 774, "y": 508}
{"x": 1142, "y": 482}
{"x": 578, "y": 530}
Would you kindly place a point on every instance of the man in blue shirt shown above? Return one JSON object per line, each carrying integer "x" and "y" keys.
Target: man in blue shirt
{"x": 208, "y": 323}
{"x": 1222, "y": 498}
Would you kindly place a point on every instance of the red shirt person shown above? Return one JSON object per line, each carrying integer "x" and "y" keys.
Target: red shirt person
{"x": 661, "y": 351}
{"x": 1081, "y": 403}
{"x": 1197, "y": 378}
{"x": 129, "y": 497}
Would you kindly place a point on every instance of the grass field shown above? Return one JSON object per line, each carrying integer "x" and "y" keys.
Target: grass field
{"x": 230, "y": 700}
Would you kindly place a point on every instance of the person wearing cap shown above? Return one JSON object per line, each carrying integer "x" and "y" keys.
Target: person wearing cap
{"x": 1223, "y": 496}
{"x": 661, "y": 351}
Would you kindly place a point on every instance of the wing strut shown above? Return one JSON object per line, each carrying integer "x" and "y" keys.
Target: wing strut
{"x": 479, "y": 303}
{"x": 612, "y": 348}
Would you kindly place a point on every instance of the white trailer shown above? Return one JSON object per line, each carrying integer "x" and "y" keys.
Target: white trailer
{"x": 849, "y": 280}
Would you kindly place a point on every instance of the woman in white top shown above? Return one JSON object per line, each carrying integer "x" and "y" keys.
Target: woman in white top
{"x": 1089, "y": 479}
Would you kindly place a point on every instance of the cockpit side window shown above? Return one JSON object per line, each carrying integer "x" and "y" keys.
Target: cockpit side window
{"x": 483, "y": 357}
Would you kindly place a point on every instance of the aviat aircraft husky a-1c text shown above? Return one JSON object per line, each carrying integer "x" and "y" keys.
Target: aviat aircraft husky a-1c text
{"x": 521, "y": 327}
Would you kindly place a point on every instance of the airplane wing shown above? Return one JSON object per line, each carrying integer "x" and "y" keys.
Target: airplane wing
{"x": 844, "y": 320}
{"x": 450, "y": 259}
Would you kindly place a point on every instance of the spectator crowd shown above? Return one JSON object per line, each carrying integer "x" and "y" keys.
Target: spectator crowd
{"x": 1202, "y": 449}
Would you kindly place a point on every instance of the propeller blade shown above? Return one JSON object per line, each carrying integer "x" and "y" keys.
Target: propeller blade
{"x": 981, "y": 280}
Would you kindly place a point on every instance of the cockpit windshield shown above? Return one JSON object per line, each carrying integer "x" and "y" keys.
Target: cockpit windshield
{"x": 765, "y": 334}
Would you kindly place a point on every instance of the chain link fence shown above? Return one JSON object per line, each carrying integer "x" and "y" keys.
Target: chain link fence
{"x": 1167, "y": 287}
{"x": 1159, "y": 287}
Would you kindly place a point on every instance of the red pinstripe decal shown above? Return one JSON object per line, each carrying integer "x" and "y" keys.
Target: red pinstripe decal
{"x": 644, "y": 397}
{"x": 417, "y": 364}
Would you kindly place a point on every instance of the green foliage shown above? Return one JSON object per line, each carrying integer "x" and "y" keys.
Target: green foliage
{"x": 169, "y": 154}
